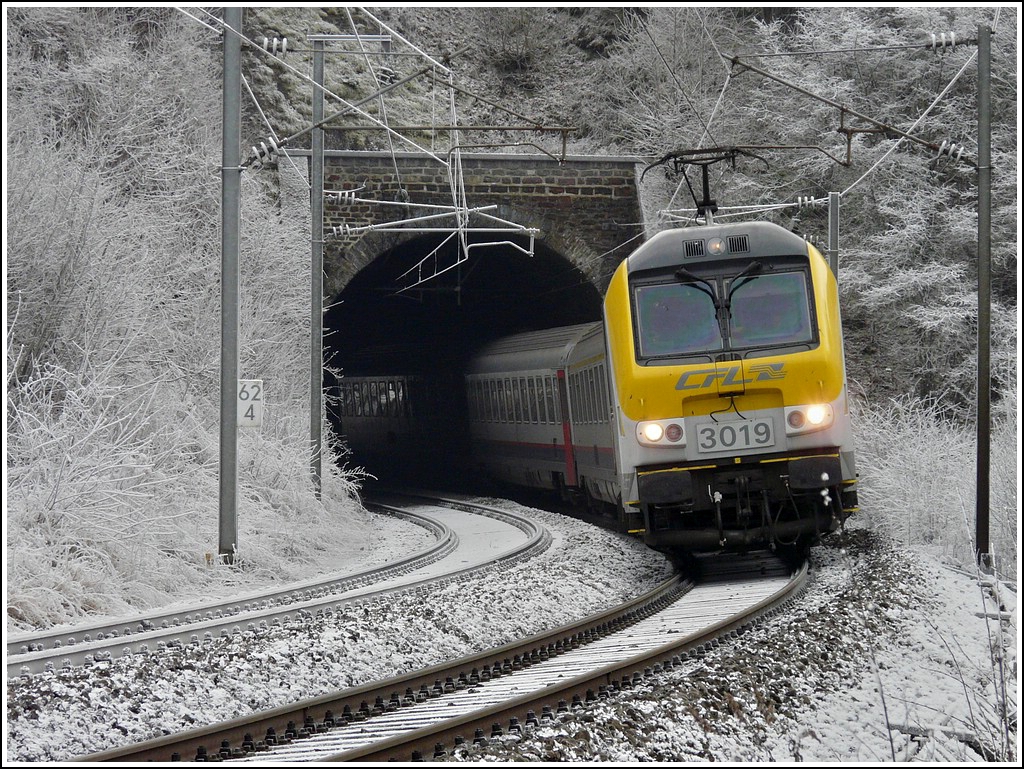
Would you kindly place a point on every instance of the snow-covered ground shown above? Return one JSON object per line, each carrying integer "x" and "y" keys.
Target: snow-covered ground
{"x": 880, "y": 634}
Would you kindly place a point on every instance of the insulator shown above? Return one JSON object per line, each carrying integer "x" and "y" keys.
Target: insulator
{"x": 342, "y": 197}
{"x": 955, "y": 151}
{"x": 264, "y": 154}
{"x": 272, "y": 45}
{"x": 939, "y": 43}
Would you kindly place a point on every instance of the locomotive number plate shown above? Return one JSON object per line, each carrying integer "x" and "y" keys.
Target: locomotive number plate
{"x": 729, "y": 436}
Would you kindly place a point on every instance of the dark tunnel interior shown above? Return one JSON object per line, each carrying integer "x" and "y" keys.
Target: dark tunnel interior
{"x": 374, "y": 329}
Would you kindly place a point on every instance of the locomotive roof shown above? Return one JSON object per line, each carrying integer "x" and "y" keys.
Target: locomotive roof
{"x": 670, "y": 248}
{"x": 530, "y": 350}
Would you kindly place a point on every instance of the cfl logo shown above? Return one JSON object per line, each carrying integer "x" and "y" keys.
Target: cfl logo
{"x": 705, "y": 377}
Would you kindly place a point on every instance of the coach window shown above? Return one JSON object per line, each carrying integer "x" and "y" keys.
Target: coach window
{"x": 591, "y": 396}
{"x": 592, "y": 383}
{"x": 585, "y": 392}
{"x": 374, "y": 403}
{"x": 581, "y": 389}
{"x": 581, "y": 398}
{"x": 605, "y": 402}
{"x": 585, "y": 396}
{"x": 343, "y": 399}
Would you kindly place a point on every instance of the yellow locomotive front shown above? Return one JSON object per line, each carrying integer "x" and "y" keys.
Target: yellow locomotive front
{"x": 729, "y": 387}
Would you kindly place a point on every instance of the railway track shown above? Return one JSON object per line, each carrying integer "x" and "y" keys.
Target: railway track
{"x": 508, "y": 689}
{"x": 155, "y": 632}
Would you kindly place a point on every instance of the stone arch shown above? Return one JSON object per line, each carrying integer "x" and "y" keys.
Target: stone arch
{"x": 372, "y": 325}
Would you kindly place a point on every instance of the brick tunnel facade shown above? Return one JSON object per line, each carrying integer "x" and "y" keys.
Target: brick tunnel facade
{"x": 587, "y": 209}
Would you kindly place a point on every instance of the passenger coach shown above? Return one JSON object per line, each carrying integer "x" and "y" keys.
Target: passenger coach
{"x": 540, "y": 413}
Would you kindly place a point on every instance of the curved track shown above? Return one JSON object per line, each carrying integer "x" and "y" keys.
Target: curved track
{"x": 425, "y": 713}
{"x": 462, "y": 532}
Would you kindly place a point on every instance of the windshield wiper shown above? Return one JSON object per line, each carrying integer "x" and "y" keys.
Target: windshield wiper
{"x": 721, "y": 311}
{"x": 750, "y": 270}
{"x": 688, "y": 277}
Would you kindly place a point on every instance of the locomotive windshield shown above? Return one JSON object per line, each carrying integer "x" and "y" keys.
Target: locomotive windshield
{"x": 675, "y": 319}
{"x": 705, "y": 316}
{"x": 770, "y": 310}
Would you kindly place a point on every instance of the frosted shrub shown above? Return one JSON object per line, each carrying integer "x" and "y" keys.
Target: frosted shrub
{"x": 918, "y": 474}
{"x": 113, "y": 341}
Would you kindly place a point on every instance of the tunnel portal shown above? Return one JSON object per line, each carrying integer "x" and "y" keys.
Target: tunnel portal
{"x": 397, "y": 355}
{"x": 390, "y": 345}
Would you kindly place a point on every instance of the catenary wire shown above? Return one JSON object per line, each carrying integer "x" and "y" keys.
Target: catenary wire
{"x": 326, "y": 91}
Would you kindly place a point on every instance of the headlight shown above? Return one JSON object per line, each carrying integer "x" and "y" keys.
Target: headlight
{"x": 805, "y": 419}
{"x": 816, "y": 415}
{"x": 664, "y": 432}
{"x": 653, "y": 432}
